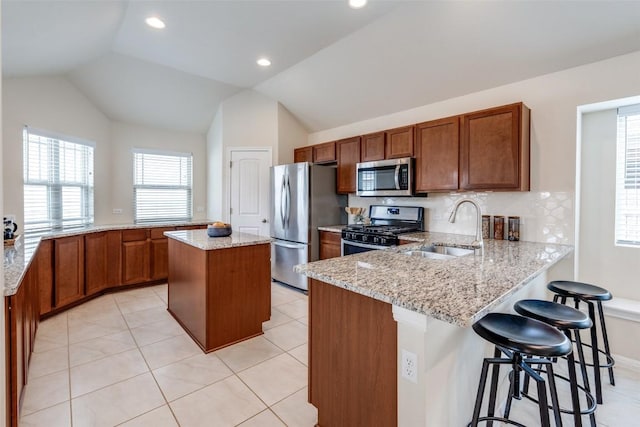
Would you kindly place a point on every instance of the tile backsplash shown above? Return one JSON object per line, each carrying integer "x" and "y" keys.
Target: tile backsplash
{"x": 544, "y": 216}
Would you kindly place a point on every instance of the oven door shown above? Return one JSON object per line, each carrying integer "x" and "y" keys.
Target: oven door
{"x": 349, "y": 248}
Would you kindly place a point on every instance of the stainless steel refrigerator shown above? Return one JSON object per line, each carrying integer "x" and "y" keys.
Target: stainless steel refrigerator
{"x": 303, "y": 197}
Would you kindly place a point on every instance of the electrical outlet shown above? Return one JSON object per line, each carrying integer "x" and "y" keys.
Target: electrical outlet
{"x": 200, "y": 209}
{"x": 410, "y": 366}
{"x": 117, "y": 211}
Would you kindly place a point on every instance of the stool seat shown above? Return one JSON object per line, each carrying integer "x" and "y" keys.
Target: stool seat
{"x": 580, "y": 290}
{"x": 558, "y": 315}
{"x": 523, "y": 335}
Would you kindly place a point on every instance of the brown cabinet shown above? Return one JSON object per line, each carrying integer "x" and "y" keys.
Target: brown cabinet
{"x": 372, "y": 147}
{"x": 159, "y": 253}
{"x": 437, "y": 151}
{"x": 329, "y": 244}
{"x": 22, "y": 313}
{"x": 494, "y": 149}
{"x": 399, "y": 142}
{"x": 303, "y": 154}
{"x": 68, "y": 270}
{"x": 136, "y": 254}
{"x": 324, "y": 153}
{"x": 348, "y": 155}
{"x": 42, "y": 265}
{"x": 96, "y": 266}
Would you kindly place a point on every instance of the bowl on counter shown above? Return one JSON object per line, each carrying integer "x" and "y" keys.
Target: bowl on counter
{"x": 219, "y": 231}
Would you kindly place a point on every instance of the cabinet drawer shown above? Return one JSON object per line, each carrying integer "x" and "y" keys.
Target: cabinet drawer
{"x": 158, "y": 233}
{"x": 134, "y": 235}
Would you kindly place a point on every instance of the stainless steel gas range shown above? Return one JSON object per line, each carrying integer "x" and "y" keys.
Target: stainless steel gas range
{"x": 387, "y": 223}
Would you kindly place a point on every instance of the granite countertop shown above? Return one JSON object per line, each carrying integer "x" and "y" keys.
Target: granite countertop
{"x": 332, "y": 228}
{"x": 458, "y": 291}
{"x": 17, "y": 257}
{"x": 201, "y": 240}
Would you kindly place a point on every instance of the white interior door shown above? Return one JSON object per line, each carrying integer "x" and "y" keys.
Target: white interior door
{"x": 249, "y": 191}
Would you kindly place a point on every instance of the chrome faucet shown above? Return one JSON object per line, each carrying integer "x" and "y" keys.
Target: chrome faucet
{"x": 478, "y": 243}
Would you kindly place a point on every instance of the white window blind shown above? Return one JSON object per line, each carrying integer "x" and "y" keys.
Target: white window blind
{"x": 162, "y": 186}
{"x": 58, "y": 182}
{"x": 627, "y": 222}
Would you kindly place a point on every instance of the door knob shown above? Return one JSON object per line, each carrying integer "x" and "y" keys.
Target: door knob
{"x": 264, "y": 220}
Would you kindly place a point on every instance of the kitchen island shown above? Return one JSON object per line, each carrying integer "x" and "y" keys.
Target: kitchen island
{"x": 368, "y": 309}
{"x": 219, "y": 287}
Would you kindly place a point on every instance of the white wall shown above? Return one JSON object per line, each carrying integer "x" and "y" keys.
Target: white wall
{"x": 548, "y": 210}
{"x": 215, "y": 178}
{"x": 291, "y": 134}
{"x": 125, "y": 137}
{"x": 54, "y": 104}
{"x": 51, "y": 103}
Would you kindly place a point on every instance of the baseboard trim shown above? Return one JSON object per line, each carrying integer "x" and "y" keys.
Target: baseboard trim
{"x": 623, "y": 308}
{"x": 627, "y": 362}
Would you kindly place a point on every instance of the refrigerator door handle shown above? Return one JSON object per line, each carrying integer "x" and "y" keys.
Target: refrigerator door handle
{"x": 396, "y": 177}
{"x": 288, "y": 201}
{"x": 282, "y": 201}
{"x": 289, "y": 245}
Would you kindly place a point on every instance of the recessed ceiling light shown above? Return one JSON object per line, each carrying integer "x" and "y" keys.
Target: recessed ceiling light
{"x": 263, "y": 62}
{"x": 155, "y": 22}
{"x": 357, "y": 4}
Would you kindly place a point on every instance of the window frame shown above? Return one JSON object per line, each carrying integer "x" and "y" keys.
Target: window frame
{"x": 55, "y": 185}
{"x": 627, "y": 182}
{"x": 180, "y": 187}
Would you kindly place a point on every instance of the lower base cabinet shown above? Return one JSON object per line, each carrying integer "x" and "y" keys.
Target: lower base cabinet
{"x": 329, "y": 244}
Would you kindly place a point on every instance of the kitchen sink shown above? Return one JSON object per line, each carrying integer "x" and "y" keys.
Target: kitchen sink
{"x": 439, "y": 252}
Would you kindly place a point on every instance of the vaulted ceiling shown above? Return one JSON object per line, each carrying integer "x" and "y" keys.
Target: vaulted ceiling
{"x": 331, "y": 65}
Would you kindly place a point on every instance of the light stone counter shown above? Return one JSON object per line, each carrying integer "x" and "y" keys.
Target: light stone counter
{"x": 332, "y": 228}
{"x": 199, "y": 239}
{"x": 457, "y": 291}
{"x": 17, "y": 257}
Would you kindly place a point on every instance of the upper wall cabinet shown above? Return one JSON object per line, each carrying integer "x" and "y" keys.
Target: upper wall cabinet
{"x": 372, "y": 147}
{"x": 494, "y": 149}
{"x": 324, "y": 153}
{"x": 399, "y": 142}
{"x": 348, "y": 155}
{"x": 437, "y": 150}
{"x": 303, "y": 154}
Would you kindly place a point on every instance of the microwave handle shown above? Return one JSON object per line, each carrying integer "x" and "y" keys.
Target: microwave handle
{"x": 397, "y": 177}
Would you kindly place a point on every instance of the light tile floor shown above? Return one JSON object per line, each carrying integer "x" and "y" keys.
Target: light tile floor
{"x": 121, "y": 359}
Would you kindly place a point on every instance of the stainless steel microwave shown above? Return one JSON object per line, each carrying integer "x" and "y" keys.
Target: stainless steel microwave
{"x": 392, "y": 177}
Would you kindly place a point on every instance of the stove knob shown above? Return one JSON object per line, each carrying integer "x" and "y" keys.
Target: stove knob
{"x": 376, "y": 239}
{"x": 365, "y": 238}
{"x": 383, "y": 240}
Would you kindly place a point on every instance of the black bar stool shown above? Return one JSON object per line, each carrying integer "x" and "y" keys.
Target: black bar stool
{"x": 589, "y": 294}
{"x": 566, "y": 319}
{"x": 515, "y": 337}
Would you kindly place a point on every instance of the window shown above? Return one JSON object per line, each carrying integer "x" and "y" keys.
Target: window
{"x": 58, "y": 182}
{"x": 628, "y": 177}
{"x": 161, "y": 186}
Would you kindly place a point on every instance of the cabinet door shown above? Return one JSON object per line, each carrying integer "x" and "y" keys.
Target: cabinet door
{"x": 44, "y": 273}
{"x": 135, "y": 256}
{"x": 348, "y": 155}
{"x": 324, "y": 153}
{"x": 372, "y": 147}
{"x": 95, "y": 245}
{"x": 495, "y": 149}
{"x": 159, "y": 253}
{"x": 437, "y": 151}
{"x": 329, "y": 244}
{"x": 303, "y": 154}
{"x": 399, "y": 142}
{"x": 69, "y": 270}
{"x": 114, "y": 258}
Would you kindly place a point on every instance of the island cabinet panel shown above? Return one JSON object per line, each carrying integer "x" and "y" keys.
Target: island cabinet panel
{"x": 372, "y": 147}
{"x": 437, "y": 152}
{"x": 68, "y": 270}
{"x": 329, "y": 244}
{"x": 352, "y": 355}
{"x": 303, "y": 154}
{"x": 324, "y": 153}
{"x": 348, "y": 151}
{"x": 399, "y": 142}
{"x": 220, "y": 296}
{"x": 495, "y": 149}
{"x": 43, "y": 265}
{"x": 135, "y": 256}
{"x": 96, "y": 262}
